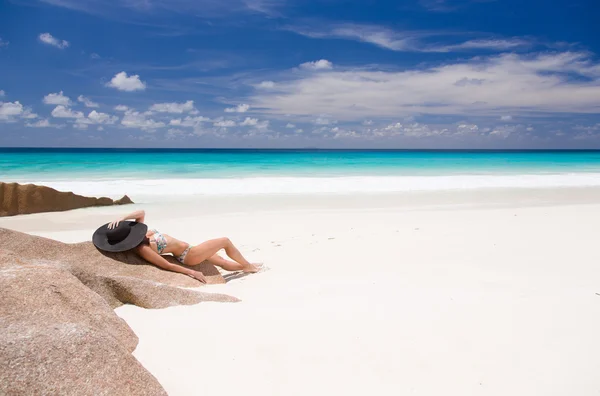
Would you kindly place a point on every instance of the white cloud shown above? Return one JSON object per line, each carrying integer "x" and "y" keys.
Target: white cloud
{"x": 266, "y": 85}
{"x": 2, "y": 93}
{"x": 393, "y": 127}
{"x": 174, "y": 133}
{"x": 249, "y": 122}
{"x": 509, "y": 83}
{"x": 485, "y": 44}
{"x": 208, "y": 9}
{"x": 290, "y": 125}
{"x": 47, "y": 38}
{"x": 241, "y": 108}
{"x": 506, "y": 118}
{"x": 134, "y": 119}
{"x": 122, "y": 82}
{"x": 40, "y": 124}
{"x": 224, "y": 123}
{"x": 121, "y": 108}
{"x": 28, "y": 114}
{"x": 503, "y": 131}
{"x": 101, "y": 118}
{"x": 463, "y": 82}
{"x": 3, "y": 43}
{"x": 467, "y": 129}
{"x": 9, "y": 110}
{"x": 324, "y": 121}
{"x": 344, "y": 134}
{"x": 408, "y": 41}
{"x": 80, "y": 125}
{"x": 322, "y": 64}
{"x": 173, "y": 107}
{"x": 61, "y": 111}
{"x": 263, "y": 125}
{"x": 253, "y": 122}
{"x": 94, "y": 55}
{"x": 377, "y": 35}
{"x": 189, "y": 121}
{"x": 57, "y": 99}
{"x": 414, "y": 130}
{"x": 87, "y": 102}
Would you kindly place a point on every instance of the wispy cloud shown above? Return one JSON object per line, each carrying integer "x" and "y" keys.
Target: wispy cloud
{"x": 3, "y": 43}
{"x": 376, "y": 35}
{"x": 148, "y": 8}
{"x": 438, "y": 5}
{"x": 502, "y": 84}
{"x": 449, "y": 5}
{"x": 406, "y": 41}
{"x": 486, "y": 44}
{"x": 87, "y": 101}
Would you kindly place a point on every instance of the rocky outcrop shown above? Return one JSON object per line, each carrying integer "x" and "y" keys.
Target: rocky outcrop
{"x": 60, "y": 334}
{"x": 59, "y": 337}
{"x": 119, "y": 278}
{"x": 16, "y": 199}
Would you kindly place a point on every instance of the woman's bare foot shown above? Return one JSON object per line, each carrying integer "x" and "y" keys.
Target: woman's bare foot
{"x": 251, "y": 268}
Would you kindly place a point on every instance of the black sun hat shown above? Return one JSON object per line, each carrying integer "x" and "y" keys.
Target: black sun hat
{"x": 125, "y": 236}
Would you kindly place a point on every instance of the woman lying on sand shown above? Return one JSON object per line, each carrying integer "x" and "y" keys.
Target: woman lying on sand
{"x": 122, "y": 235}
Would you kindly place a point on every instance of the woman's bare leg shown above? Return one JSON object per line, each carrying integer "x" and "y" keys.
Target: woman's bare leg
{"x": 224, "y": 263}
{"x": 208, "y": 249}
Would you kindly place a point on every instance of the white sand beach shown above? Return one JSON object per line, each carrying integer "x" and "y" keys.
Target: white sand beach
{"x": 435, "y": 293}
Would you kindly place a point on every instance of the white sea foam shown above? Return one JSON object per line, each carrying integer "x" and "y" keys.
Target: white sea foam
{"x": 314, "y": 185}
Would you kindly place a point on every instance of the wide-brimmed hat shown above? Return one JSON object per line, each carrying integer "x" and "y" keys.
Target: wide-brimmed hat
{"x": 127, "y": 235}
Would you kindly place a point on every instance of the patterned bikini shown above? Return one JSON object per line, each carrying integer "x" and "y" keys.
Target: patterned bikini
{"x": 161, "y": 244}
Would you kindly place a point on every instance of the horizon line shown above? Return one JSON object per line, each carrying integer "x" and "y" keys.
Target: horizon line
{"x": 291, "y": 149}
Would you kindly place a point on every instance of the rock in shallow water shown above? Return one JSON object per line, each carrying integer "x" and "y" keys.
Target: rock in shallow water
{"x": 16, "y": 199}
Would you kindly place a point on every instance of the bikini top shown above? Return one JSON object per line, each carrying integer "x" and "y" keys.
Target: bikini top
{"x": 160, "y": 240}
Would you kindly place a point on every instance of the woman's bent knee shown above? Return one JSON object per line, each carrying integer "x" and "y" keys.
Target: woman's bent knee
{"x": 225, "y": 241}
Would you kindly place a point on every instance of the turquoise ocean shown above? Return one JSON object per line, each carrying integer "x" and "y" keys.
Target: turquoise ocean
{"x": 159, "y": 173}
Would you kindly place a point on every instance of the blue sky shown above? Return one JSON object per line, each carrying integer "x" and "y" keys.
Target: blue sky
{"x": 277, "y": 73}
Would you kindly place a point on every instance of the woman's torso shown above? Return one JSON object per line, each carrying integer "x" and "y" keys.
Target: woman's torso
{"x": 164, "y": 244}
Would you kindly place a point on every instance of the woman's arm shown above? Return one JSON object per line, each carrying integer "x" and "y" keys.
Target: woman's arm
{"x": 152, "y": 257}
{"x": 138, "y": 215}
